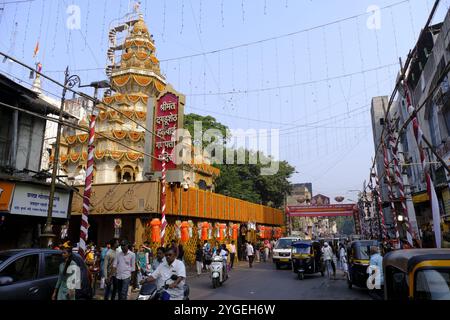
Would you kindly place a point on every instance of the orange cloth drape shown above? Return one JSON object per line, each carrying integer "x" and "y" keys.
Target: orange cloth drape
{"x": 205, "y": 227}
{"x": 235, "y": 231}
{"x": 156, "y": 230}
{"x": 184, "y": 231}
{"x": 262, "y": 232}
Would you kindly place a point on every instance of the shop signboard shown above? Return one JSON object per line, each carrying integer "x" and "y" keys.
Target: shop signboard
{"x": 32, "y": 200}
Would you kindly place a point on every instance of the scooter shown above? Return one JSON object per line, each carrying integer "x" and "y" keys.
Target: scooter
{"x": 217, "y": 273}
{"x": 149, "y": 291}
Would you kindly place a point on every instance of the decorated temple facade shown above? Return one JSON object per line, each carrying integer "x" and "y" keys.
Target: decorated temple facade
{"x": 134, "y": 132}
{"x": 136, "y": 82}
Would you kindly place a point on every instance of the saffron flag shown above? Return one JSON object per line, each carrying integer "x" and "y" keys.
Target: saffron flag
{"x": 36, "y": 49}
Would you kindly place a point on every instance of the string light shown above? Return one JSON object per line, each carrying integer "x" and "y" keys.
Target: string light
{"x": 182, "y": 16}
{"x": 221, "y": 13}
{"x": 164, "y": 21}
{"x": 179, "y": 74}
{"x": 204, "y": 83}
{"x": 46, "y": 33}
{"x": 232, "y": 70}
{"x": 277, "y": 73}
{"x": 42, "y": 19}
{"x": 102, "y": 36}
{"x": 26, "y": 29}
{"x": 265, "y": 7}
{"x": 327, "y": 73}
{"x": 190, "y": 75}
{"x": 294, "y": 66}
{"x": 87, "y": 21}
{"x": 247, "y": 105}
{"x": 219, "y": 71}
{"x": 361, "y": 58}
{"x": 243, "y": 11}
{"x": 411, "y": 19}
{"x": 200, "y": 17}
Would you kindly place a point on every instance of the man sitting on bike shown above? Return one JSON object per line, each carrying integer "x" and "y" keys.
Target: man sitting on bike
{"x": 171, "y": 266}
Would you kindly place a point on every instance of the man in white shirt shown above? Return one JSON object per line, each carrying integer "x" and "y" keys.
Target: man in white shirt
{"x": 124, "y": 264}
{"x": 172, "y": 266}
{"x": 232, "y": 254}
{"x": 250, "y": 254}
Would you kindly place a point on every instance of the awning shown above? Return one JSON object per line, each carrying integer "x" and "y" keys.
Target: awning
{"x": 420, "y": 197}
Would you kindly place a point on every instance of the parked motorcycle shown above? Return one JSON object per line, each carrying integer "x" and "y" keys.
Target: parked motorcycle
{"x": 149, "y": 290}
{"x": 218, "y": 276}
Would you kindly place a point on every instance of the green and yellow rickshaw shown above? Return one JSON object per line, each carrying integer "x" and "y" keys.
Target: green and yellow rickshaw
{"x": 417, "y": 274}
{"x": 358, "y": 262}
{"x": 306, "y": 258}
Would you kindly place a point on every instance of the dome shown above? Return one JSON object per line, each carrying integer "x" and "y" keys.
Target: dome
{"x": 140, "y": 27}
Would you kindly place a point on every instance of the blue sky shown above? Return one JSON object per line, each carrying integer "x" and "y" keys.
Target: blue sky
{"x": 315, "y": 86}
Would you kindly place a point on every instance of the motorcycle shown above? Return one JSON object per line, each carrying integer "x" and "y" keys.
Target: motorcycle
{"x": 217, "y": 272}
{"x": 149, "y": 290}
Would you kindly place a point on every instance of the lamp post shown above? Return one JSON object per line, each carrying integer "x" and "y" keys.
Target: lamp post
{"x": 47, "y": 235}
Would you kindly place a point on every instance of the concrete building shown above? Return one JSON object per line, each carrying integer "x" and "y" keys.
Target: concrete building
{"x": 429, "y": 89}
{"x": 24, "y": 192}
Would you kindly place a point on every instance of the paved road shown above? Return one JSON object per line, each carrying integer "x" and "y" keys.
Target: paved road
{"x": 265, "y": 283}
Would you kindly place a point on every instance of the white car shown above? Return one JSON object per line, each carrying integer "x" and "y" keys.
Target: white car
{"x": 282, "y": 251}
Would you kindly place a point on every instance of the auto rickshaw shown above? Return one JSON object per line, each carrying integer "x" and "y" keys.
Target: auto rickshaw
{"x": 417, "y": 274}
{"x": 306, "y": 258}
{"x": 358, "y": 261}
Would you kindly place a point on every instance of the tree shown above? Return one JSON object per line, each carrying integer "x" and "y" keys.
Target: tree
{"x": 207, "y": 122}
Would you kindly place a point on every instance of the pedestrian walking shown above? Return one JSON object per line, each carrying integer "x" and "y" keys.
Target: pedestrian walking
{"x": 134, "y": 274}
{"x": 257, "y": 248}
{"x": 343, "y": 259}
{"x": 376, "y": 268}
{"x": 199, "y": 259}
{"x": 266, "y": 250}
{"x": 142, "y": 262}
{"x": 103, "y": 254}
{"x": 67, "y": 269}
{"x": 124, "y": 265}
{"x": 232, "y": 254}
{"x": 250, "y": 254}
{"x": 327, "y": 258}
{"x": 207, "y": 256}
{"x": 108, "y": 272}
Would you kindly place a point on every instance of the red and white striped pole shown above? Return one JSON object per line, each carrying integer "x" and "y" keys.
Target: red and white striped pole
{"x": 390, "y": 192}
{"x": 399, "y": 178}
{"x": 380, "y": 206}
{"x": 88, "y": 188}
{"x": 430, "y": 186}
{"x": 163, "y": 195}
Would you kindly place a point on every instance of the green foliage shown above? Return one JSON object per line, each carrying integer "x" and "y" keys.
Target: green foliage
{"x": 208, "y": 122}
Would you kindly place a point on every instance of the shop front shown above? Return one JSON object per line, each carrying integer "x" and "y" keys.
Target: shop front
{"x": 23, "y": 211}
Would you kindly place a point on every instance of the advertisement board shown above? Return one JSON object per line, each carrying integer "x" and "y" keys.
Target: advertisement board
{"x": 32, "y": 200}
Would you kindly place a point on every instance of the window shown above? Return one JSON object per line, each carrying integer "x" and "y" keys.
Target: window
{"x": 433, "y": 284}
{"x": 284, "y": 244}
{"x": 23, "y": 269}
{"x": 52, "y": 262}
{"x": 397, "y": 284}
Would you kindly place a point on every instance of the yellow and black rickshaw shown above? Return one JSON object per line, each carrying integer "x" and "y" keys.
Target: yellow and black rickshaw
{"x": 417, "y": 274}
{"x": 358, "y": 261}
{"x": 306, "y": 258}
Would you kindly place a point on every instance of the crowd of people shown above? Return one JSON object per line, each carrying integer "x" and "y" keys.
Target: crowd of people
{"x": 120, "y": 267}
